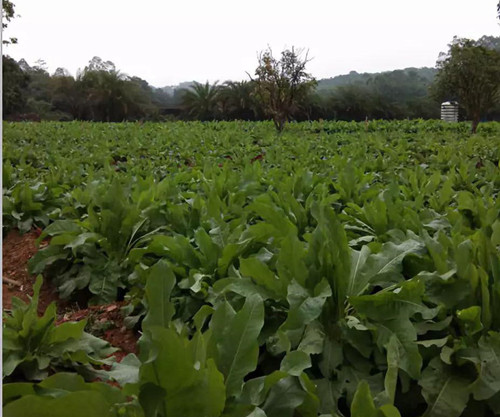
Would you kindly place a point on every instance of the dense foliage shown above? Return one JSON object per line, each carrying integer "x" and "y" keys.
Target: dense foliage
{"x": 282, "y": 84}
{"x": 8, "y": 13}
{"x": 60, "y": 96}
{"x": 34, "y": 346}
{"x": 281, "y": 90}
{"x": 102, "y": 93}
{"x": 470, "y": 72}
{"x": 342, "y": 269}
{"x": 99, "y": 92}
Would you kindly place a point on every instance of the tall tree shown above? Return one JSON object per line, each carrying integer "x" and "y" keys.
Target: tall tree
{"x": 105, "y": 95}
{"x": 282, "y": 84}
{"x": 470, "y": 73}
{"x": 15, "y": 81}
{"x": 66, "y": 94}
{"x": 8, "y": 13}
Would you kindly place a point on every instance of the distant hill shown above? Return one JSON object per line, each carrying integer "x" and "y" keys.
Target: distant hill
{"x": 426, "y": 74}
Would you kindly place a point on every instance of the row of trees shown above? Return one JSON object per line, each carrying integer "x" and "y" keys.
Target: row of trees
{"x": 280, "y": 89}
{"x": 397, "y": 94}
{"x": 470, "y": 73}
{"x": 100, "y": 92}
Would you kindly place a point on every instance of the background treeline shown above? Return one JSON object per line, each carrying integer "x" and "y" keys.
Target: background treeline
{"x": 100, "y": 92}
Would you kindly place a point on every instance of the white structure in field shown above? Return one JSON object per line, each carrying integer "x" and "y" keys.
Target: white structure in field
{"x": 449, "y": 111}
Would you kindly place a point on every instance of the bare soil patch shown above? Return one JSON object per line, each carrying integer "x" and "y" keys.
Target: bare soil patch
{"x": 105, "y": 321}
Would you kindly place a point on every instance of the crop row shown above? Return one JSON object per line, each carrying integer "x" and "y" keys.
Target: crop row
{"x": 336, "y": 269}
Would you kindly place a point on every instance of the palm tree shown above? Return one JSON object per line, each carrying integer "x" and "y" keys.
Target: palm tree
{"x": 201, "y": 100}
{"x": 66, "y": 95}
{"x": 239, "y": 100}
{"x": 108, "y": 94}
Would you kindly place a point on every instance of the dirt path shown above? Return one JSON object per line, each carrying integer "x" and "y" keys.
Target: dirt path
{"x": 104, "y": 321}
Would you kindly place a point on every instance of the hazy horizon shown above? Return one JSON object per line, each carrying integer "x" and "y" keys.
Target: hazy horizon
{"x": 169, "y": 44}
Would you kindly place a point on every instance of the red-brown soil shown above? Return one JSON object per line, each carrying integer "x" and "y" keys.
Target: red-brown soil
{"x": 17, "y": 249}
{"x": 106, "y": 321}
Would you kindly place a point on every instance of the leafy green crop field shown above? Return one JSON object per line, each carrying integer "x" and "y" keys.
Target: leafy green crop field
{"x": 340, "y": 269}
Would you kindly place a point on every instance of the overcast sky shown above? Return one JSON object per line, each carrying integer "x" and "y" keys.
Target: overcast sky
{"x": 166, "y": 42}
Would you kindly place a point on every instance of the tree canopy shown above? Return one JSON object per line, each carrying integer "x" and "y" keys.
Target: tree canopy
{"x": 8, "y": 13}
{"x": 102, "y": 92}
{"x": 201, "y": 100}
{"x": 469, "y": 72}
{"x": 282, "y": 84}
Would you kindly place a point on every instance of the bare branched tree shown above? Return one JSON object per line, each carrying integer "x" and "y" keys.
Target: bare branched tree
{"x": 282, "y": 84}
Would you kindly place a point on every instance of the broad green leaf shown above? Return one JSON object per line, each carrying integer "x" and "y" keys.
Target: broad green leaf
{"x": 16, "y": 390}
{"x": 263, "y": 276}
{"x": 255, "y": 390}
{"x": 313, "y": 339}
{"x": 431, "y": 326}
{"x": 464, "y": 259}
{"x": 104, "y": 284}
{"x": 332, "y": 356}
{"x": 393, "y": 364}
{"x": 151, "y": 397}
{"x": 60, "y": 227}
{"x": 44, "y": 258}
{"x": 362, "y": 404}
{"x": 242, "y": 286}
{"x": 304, "y": 309}
{"x": 67, "y": 330}
{"x": 273, "y": 215}
{"x": 382, "y": 267}
{"x": 126, "y": 371}
{"x": 433, "y": 342}
{"x": 488, "y": 382}
{"x": 81, "y": 239}
{"x": 230, "y": 253}
{"x": 438, "y": 252}
{"x": 284, "y": 398}
{"x": 233, "y": 343}
{"x": 81, "y": 404}
{"x": 349, "y": 378}
{"x": 447, "y": 290}
{"x": 486, "y": 314}
{"x": 357, "y": 279}
{"x": 191, "y": 388}
{"x": 390, "y": 313}
{"x": 159, "y": 285}
{"x": 445, "y": 390}
{"x": 201, "y": 316}
{"x": 291, "y": 261}
{"x": 466, "y": 201}
{"x": 329, "y": 254}
{"x": 294, "y": 363}
{"x": 60, "y": 392}
{"x": 471, "y": 319}
{"x": 388, "y": 410}
{"x": 495, "y": 237}
{"x": 208, "y": 248}
{"x": 257, "y": 412}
